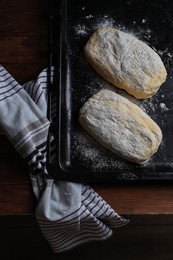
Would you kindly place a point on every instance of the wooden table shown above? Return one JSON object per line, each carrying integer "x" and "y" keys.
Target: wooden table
{"x": 16, "y": 197}
{"x": 24, "y": 53}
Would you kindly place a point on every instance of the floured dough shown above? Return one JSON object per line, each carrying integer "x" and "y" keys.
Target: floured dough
{"x": 125, "y": 61}
{"x": 120, "y": 126}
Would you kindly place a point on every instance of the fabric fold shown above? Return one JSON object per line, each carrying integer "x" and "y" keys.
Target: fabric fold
{"x": 69, "y": 214}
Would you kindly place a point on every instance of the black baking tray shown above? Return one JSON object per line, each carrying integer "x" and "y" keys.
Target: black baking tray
{"x": 79, "y": 157}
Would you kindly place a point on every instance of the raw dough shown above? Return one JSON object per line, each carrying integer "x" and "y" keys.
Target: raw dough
{"x": 125, "y": 61}
{"x": 120, "y": 126}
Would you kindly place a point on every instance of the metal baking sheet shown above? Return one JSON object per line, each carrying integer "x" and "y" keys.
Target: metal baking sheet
{"x": 80, "y": 158}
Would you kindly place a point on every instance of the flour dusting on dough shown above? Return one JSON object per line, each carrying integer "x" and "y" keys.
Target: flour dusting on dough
{"x": 89, "y": 152}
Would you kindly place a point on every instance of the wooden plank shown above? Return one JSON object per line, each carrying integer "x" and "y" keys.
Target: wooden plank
{"x": 29, "y": 70}
{"x": 24, "y": 52}
{"x": 14, "y": 170}
{"x": 138, "y": 242}
{"x": 124, "y": 199}
{"x": 5, "y": 147}
{"x": 139, "y": 198}
{"x": 21, "y": 237}
{"x": 21, "y": 5}
{"x": 33, "y": 23}
{"x": 16, "y": 199}
{"x": 24, "y": 49}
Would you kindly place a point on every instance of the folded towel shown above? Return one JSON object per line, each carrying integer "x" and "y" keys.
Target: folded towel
{"x": 69, "y": 214}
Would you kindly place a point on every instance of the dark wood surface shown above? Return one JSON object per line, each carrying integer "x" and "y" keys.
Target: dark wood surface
{"x": 144, "y": 238}
{"x": 24, "y": 53}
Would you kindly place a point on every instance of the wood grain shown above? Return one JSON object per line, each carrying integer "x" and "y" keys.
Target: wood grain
{"x": 19, "y": 50}
{"x": 16, "y": 195}
{"x": 5, "y": 146}
{"x": 24, "y": 53}
{"x": 16, "y": 199}
{"x": 24, "y": 5}
{"x": 33, "y": 23}
{"x": 149, "y": 239}
{"x": 29, "y": 70}
{"x": 14, "y": 170}
{"x": 141, "y": 199}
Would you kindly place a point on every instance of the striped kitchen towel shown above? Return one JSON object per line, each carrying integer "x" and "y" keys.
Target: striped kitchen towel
{"x": 69, "y": 214}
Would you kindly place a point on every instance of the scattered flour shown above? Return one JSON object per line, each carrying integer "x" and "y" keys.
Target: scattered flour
{"x": 90, "y": 154}
{"x": 81, "y": 30}
{"x": 89, "y": 16}
{"x": 104, "y": 21}
{"x": 163, "y": 106}
{"x": 165, "y": 52}
{"x": 94, "y": 156}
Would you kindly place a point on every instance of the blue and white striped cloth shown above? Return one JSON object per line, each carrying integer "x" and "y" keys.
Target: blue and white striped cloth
{"x": 69, "y": 214}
